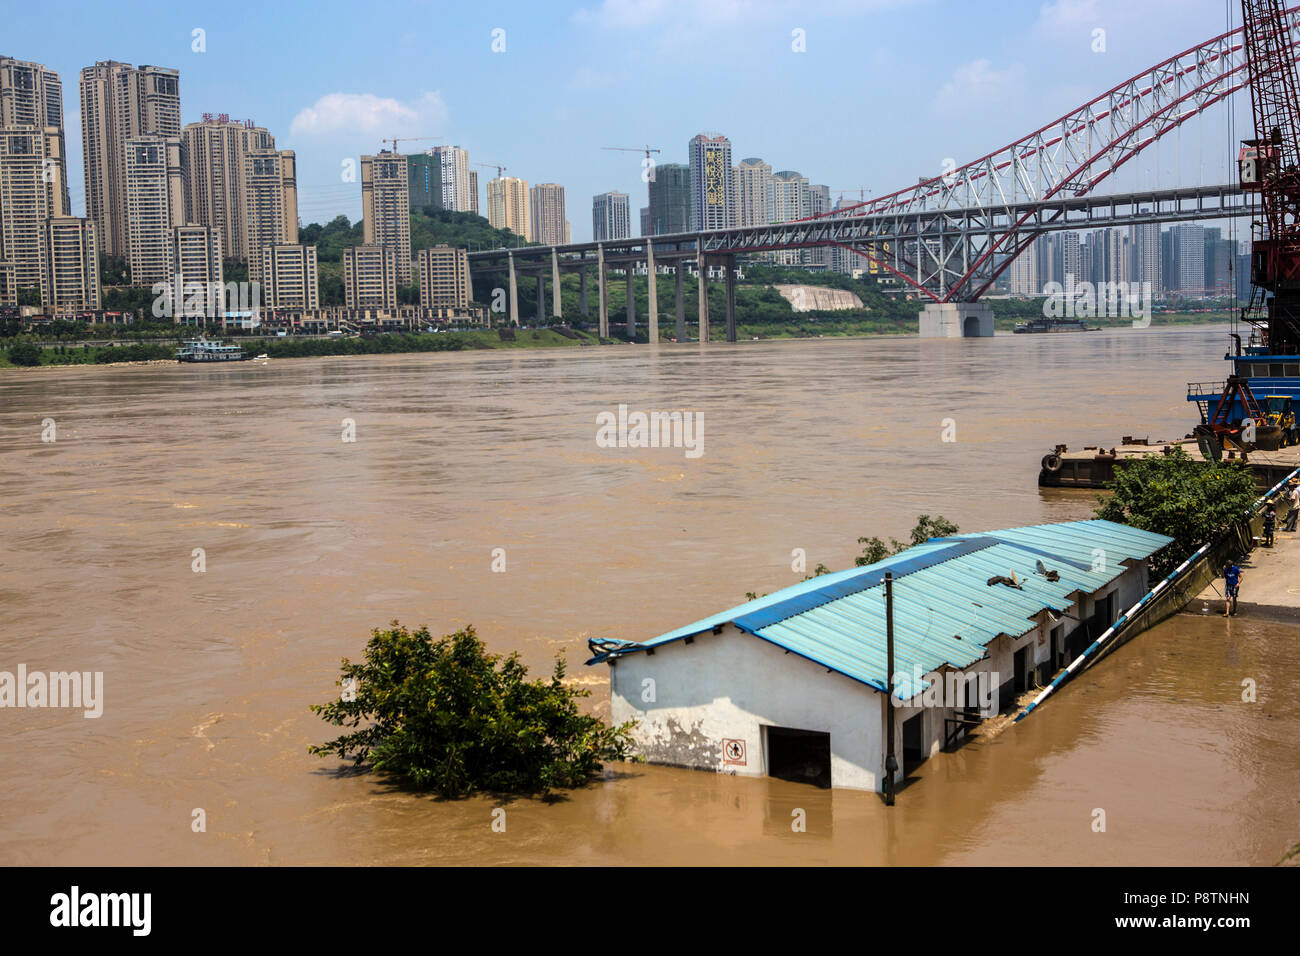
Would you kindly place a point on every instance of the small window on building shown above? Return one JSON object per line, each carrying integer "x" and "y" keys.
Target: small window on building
{"x": 801, "y": 756}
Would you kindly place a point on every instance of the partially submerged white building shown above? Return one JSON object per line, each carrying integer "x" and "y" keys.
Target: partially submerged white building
{"x": 795, "y": 684}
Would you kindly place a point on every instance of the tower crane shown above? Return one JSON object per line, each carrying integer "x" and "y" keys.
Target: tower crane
{"x": 861, "y": 191}
{"x": 634, "y": 149}
{"x": 410, "y": 139}
{"x": 497, "y": 166}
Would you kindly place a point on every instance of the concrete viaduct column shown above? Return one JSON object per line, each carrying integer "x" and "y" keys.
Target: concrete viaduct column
{"x": 652, "y": 327}
{"x": 514, "y": 292}
{"x": 541, "y": 297}
{"x": 680, "y": 305}
{"x": 631, "y": 302}
{"x": 702, "y": 261}
{"x": 730, "y": 262}
{"x": 557, "y": 305}
{"x": 602, "y": 301}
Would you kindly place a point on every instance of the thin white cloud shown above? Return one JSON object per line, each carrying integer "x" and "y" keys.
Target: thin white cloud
{"x": 1067, "y": 15}
{"x": 371, "y": 115}
{"x": 589, "y": 79}
{"x": 977, "y": 83}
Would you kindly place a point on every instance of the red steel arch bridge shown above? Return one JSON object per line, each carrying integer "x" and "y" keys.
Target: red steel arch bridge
{"x": 951, "y": 236}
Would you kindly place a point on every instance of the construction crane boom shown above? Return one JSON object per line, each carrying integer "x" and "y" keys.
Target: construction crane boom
{"x": 497, "y": 166}
{"x": 635, "y": 149}
{"x": 841, "y": 190}
{"x": 409, "y": 139}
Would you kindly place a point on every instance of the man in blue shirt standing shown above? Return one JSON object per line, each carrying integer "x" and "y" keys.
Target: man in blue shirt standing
{"x": 1232, "y": 580}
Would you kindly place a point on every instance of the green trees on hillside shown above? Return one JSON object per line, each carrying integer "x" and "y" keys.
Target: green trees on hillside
{"x": 332, "y": 238}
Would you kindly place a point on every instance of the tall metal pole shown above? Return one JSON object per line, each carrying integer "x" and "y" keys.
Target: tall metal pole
{"x": 891, "y": 762}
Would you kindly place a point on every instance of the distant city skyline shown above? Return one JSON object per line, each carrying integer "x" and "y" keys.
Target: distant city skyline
{"x": 1184, "y": 259}
{"x": 802, "y": 110}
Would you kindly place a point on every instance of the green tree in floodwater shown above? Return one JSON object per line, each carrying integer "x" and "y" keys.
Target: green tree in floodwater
{"x": 446, "y": 715}
{"x": 1191, "y": 501}
{"x": 874, "y": 549}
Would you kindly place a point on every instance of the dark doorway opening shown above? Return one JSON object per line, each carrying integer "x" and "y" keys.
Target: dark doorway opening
{"x": 914, "y": 752}
{"x": 970, "y": 327}
{"x": 1104, "y": 613}
{"x": 801, "y": 756}
{"x": 1021, "y": 662}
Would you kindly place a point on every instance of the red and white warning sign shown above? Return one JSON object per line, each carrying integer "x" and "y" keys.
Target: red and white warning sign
{"x": 733, "y": 751}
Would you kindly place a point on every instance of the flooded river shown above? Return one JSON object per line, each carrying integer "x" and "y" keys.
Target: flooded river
{"x": 308, "y": 541}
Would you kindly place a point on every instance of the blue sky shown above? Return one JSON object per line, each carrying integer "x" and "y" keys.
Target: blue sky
{"x": 884, "y": 92}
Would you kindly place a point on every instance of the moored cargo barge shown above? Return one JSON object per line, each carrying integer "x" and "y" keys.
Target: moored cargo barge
{"x": 1094, "y": 466}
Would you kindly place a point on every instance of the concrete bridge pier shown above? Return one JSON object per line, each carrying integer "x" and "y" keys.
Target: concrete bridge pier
{"x": 680, "y": 305}
{"x": 652, "y": 322}
{"x": 514, "y": 292}
{"x": 557, "y": 301}
{"x": 956, "y": 320}
{"x": 631, "y": 302}
{"x": 730, "y": 262}
{"x": 702, "y": 262}
{"x": 602, "y": 300}
{"x": 541, "y": 297}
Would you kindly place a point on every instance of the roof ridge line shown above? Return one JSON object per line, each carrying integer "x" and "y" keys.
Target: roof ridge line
{"x": 799, "y": 603}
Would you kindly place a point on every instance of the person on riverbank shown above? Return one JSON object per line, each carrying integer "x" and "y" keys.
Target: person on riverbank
{"x": 1293, "y": 501}
{"x": 1270, "y": 525}
{"x": 1232, "y": 582}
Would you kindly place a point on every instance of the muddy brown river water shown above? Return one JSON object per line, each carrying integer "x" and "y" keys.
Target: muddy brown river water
{"x": 309, "y": 541}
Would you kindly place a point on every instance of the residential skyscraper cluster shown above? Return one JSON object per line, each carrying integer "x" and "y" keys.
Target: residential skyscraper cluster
{"x": 1184, "y": 260}
{"x": 709, "y": 192}
{"x": 373, "y": 272}
{"x": 172, "y": 202}
{"x": 238, "y": 183}
{"x": 120, "y": 105}
{"x": 443, "y": 177}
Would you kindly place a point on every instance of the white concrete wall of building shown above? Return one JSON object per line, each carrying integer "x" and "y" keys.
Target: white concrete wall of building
{"x": 729, "y": 686}
{"x": 1129, "y": 588}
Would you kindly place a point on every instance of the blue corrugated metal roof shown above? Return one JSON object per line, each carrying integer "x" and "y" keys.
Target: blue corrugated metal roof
{"x": 945, "y": 612}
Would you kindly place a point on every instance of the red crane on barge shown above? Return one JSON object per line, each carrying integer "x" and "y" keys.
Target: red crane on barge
{"x": 1269, "y": 167}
